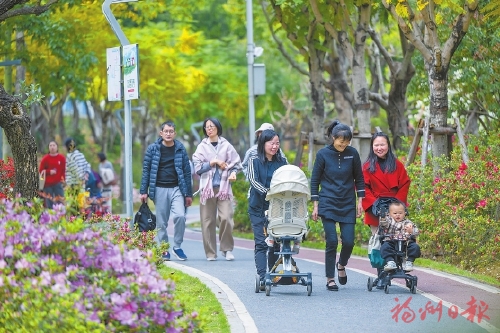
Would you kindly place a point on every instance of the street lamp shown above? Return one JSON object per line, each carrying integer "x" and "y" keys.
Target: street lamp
{"x": 256, "y": 72}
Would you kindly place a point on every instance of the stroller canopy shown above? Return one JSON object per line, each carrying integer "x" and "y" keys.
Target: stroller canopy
{"x": 289, "y": 178}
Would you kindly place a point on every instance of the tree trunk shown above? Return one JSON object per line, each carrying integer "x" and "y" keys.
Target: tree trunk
{"x": 76, "y": 117}
{"x": 472, "y": 125}
{"x": 317, "y": 91}
{"x": 337, "y": 66}
{"x": 61, "y": 126}
{"x": 438, "y": 84}
{"x": 17, "y": 126}
{"x": 91, "y": 124}
{"x": 361, "y": 92}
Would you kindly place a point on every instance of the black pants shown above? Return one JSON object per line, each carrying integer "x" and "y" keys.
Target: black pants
{"x": 388, "y": 250}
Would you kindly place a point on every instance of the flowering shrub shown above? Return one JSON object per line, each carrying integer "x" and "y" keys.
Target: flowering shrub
{"x": 118, "y": 231}
{"x": 57, "y": 274}
{"x": 458, "y": 211}
{"x": 7, "y": 178}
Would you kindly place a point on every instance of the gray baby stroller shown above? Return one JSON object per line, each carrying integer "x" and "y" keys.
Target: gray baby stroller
{"x": 287, "y": 217}
{"x": 380, "y": 208}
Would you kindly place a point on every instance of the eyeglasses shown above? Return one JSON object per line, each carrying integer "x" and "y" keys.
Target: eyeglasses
{"x": 169, "y": 132}
{"x": 210, "y": 127}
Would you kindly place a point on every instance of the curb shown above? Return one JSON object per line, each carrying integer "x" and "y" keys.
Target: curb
{"x": 236, "y": 313}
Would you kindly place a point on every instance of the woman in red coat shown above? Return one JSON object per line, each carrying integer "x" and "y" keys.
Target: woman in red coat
{"x": 385, "y": 176}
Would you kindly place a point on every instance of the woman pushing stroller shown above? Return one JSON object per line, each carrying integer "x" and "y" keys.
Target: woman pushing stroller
{"x": 260, "y": 172}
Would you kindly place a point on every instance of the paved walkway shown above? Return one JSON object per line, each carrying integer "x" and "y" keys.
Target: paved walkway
{"x": 443, "y": 303}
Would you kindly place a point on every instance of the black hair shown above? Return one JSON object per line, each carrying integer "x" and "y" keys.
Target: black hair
{"x": 265, "y": 136}
{"x": 338, "y": 130}
{"x": 70, "y": 144}
{"x": 216, "y": 123}
{"x": 390, "y": 160}
{"x": 167, "y": 123}
{"x": 102, "y": 156}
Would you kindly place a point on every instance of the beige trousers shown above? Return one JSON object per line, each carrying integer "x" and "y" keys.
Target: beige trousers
{"x": 217, "y": 213}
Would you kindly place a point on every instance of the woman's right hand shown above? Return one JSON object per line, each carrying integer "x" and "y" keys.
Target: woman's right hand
{"x": 315, "y": 213}
{"x": 144, "y": 197}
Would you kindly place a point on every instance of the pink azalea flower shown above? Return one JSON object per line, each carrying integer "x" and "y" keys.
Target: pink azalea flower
{"x": 481, "y": 204}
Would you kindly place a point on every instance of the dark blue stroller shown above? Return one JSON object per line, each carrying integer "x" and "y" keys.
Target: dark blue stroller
{"x": 380, "y": 208}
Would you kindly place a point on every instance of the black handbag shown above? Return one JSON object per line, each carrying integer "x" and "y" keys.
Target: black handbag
{"x": 144, "y": 219}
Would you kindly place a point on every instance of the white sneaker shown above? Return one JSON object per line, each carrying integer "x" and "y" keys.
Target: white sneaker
{"x": 390, "y": 266}
{"x": 211, "y": 259}
{"x": 408, "y": 266}
{"x": 228, "y": 254}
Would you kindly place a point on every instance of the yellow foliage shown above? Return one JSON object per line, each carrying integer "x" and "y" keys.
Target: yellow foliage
{"x": 421, "y": 4}
{"x": 189, "y": 42}
{"x": 402, "y": 10}
{"x": 194, "y": 79}
{"x": 439, "y": 19}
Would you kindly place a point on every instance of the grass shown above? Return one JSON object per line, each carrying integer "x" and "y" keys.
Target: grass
{"x": 197, "y": 297}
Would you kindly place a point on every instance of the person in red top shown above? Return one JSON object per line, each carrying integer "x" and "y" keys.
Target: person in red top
{"x": 54, "y": 166}
{"x": 385, "y": 176}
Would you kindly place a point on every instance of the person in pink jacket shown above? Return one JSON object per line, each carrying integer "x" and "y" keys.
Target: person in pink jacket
{"x": 216, "y": 162}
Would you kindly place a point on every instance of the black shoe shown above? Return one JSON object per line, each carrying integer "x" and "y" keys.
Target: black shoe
{"x": 332, "y": 286}
{"x": 342, "y": 279}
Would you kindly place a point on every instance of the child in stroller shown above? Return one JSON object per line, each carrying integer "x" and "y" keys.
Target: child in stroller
{"x": 398, "y": 236}
{"x": 287, "y": 217}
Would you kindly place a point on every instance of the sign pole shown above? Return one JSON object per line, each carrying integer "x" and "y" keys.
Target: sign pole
{"x": 106, "y": 9}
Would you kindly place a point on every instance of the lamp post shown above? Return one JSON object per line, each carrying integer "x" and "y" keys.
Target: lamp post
{"x": 106, "y": 9}
{"x": 250, "y": 61}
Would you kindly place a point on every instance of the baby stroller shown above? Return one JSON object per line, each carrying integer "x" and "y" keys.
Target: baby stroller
{"x": 287, "y": 216}
{"x": 381, "y": 208}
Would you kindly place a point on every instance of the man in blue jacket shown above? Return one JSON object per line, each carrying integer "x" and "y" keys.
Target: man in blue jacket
{"x": 167, "y": 173}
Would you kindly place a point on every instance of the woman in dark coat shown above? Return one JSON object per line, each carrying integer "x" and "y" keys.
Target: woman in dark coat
{"x": 338, "y": 170}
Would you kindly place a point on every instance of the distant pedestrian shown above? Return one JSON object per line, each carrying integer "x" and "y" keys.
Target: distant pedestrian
{"x": 107, "y": 173}
{"x": 166, "y": 179}
{"x": 252, "y": 151}
{"x": 54, "y": 166}
{"x": 337, "y": 169}
{"x": 217, "y": 162}
{"x": 77, "y": 168}
{"x": 261, "y": 170}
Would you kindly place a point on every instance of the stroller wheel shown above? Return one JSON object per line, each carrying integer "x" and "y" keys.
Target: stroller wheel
{"x": 370, "y": 284}
{"x": 309, "y": 288}
{"x": 413, "y": 287}
{"x": 268, "y": 289}
{"x": 257, "y": 283}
